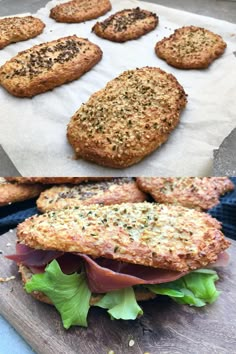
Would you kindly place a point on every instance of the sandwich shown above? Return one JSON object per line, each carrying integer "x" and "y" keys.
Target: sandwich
{"x": 117, "y": 255}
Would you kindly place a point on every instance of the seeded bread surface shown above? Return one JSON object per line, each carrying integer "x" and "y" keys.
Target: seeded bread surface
{"x": 16, "y": 29}
{"x": 120, "y": 190}
{"x": 157, "y": 235}
{"x": 126, "y": 25}
{"x": 128, "y": 119}
{"x": 80, "y": 10}
{"x": 192, "y": 192}
{"x": 191, "y": 48}
{"x": 48, "y": 65}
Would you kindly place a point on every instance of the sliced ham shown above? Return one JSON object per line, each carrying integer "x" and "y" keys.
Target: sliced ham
{"x": 103, "y": 274}
{"x": 37, "y": 270}
{"x": 68, "y": 263}
{"x": 107, "y": 275}
{"x": 37, "y": 260}
{"x": 32, "y": 257}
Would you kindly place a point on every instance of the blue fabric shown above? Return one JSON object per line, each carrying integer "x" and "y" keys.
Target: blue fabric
{"x": 226, "y": 212}
{"x": 12, "y": 215}
{"x": 16, "y": 218}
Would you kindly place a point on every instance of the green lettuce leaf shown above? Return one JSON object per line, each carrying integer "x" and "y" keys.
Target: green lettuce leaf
{"x": 165, "y": 289}
{"x": 196, "y": 288}
{"x": 69, "y": 293}
{"x": 121, "y": 304}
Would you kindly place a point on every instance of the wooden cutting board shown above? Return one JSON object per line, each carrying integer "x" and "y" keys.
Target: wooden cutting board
{"x": 165, "y": 327}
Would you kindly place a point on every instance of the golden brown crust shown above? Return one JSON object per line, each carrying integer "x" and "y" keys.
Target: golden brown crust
{"x": 161, "y": 236}
{"x": 192, "y": 192}
{"x": 128, "y": 119}
{"x": 222, "y": 184}
{"x": 55, "y": 180}
{"x": 140, "y": 294}
{"x": 191, "y": 48}
{"x": 12, "y": 193}
{"x": 126, "y": 25}
{"x": 120, "y": 190}
{"x": 48, "y": 65}
{"x": 16, "y": 29}
{"x": 79, "y": 11}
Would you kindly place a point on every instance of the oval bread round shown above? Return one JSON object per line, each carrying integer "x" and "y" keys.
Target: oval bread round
{"x": 117, "y": 191}
{"x": 12, "y": 192}
{"x": 162, "y": 236}
{"x": 191, "y": 192}
{"x": 128, "y": 119}
{"x": 17, "y": 29}
{"x": 79, "y": 11}
{"x": 48, "y": 65}
{"x": 191, "y": 48}
{"x": 126, "y": 25}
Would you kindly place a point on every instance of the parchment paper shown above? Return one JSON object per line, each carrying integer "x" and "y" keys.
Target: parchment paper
{"x": 33, "y": 131}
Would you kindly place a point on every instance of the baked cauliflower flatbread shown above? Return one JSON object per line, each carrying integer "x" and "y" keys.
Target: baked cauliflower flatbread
{"x": 126, "y": 25}
{"x": 76, "y": 11}
{"x": 192, "y": 192}
{"x": 48, "y": 65}
{"x": 16, "y": 29}
{"x": 13, "y": 192}
{"x": 191, "y": 47}
{"x": 128, "y": 119}
{"x": 117, "y": 191}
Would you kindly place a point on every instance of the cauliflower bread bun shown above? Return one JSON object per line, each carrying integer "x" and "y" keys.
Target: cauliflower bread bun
{"x": 55, "y": 180}
{"x": 13, "y": 192}
{"x": 48, "y": 65}
{"x": 116, "y": 191}
{"x": 191, "y": 48}
{"x": 80, "y": 11}
{"x": 191, "y": 192}
{"x": 126, "y": 25}
{"x": 112, "y": 256}
{"x": 128, "y": 119}
{"x": 17, "y": 29}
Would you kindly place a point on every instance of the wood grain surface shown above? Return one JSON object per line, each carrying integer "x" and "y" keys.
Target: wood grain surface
{"x": 165, "y": 327}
